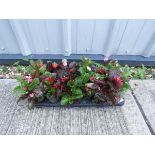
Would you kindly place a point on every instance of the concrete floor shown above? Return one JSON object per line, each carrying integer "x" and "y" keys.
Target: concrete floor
{"x": 137, "y": 116}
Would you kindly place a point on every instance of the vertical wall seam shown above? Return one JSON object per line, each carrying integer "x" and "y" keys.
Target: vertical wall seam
{"x": 48, "y": 42}
{"x": 108, "y": 36}
{"x": 13, "y": 34}
{"x": 67, "y": 37}
{"x": 3, "y": 43}
{"x": 122, "y": 35}
{"x": 20, "y": 36}
{"x": 147, "y": 49}
{"x": 61, "y": 35}
{"x": 94, "y": 27}
{"x": 77, "y": 25}
{"x": 117, "y": 35}
{"x": 30, "y": 35}
{"x": 138, "y": 35}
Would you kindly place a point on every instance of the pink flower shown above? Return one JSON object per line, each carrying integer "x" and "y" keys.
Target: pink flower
{"x": 87, "y": 88}
{"x": 117, "y": 99}
{"x": 26, "y": 77}
{"x": 31, "y": 95}
{"x": 29, "y": 79}
{"x": 92, "y": 78}
{"x": 41, "y": 65}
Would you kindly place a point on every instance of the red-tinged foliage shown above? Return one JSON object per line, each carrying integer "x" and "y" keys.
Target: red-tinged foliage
{"x": 101, "y": 70}
{"x": 51, "y": 80}
{"x": 56, "y": 86}
{"x": 54, "y": 65}
{"x": 72, "y": 81}
{"x": 118, "y": 82}
{"x": 64, "y": 79}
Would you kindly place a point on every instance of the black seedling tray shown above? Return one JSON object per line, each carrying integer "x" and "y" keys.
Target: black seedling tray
{"x": 81, "y": 103}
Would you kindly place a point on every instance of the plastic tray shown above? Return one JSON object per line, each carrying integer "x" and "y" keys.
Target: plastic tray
{"x": 81, "y": 103}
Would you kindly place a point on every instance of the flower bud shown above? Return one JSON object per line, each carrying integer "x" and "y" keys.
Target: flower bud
{"x": 64, "y": 62}
{"x": 88, "y": 68}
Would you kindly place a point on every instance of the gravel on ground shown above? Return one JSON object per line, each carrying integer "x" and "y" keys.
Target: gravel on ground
{"x": 11, "y": 72}
{"x": 8, "y": 72}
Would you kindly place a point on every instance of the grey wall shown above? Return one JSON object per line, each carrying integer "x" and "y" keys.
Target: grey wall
{"x": 107, "y": 37}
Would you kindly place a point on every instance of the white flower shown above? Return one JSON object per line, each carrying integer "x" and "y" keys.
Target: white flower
{"x": 106, "y": 58}
{"x": 85, "y": 58}
{"x": 64, "y": 62}
{"x": 88, "y": 68}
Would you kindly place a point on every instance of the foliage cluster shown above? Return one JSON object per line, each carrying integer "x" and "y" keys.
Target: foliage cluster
{"x": 67, "y": 82}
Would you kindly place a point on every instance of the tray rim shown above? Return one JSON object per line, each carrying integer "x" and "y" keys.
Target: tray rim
{"x": 47, "y": 103}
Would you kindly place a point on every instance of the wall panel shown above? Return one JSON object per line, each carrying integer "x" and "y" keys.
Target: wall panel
{"x": 78, "y": 36}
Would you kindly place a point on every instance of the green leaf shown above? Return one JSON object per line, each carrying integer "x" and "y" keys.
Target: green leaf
{"x": 20, "y": 90}
{"x": 85, "y": 77}
{"x": 16, "y": 63}
{"x": 76, "y": 97}
{"x": 143, "y": 68}
{"x": 51, "y": 98}
{"x": 70, "y": 100}
{"x": 64, "y": 99}
{"x": 78, "y": 81}
{"x": 126, "y": 85}
{"x": 99, "y": 76}
{"x": 19, "y": 78}
{"x": 30, "y": 70}
{"x": 82, "y": 70}
{"x": 20, "y": 68}
{"x": 76, "y": 91}
{"x": 25, "y": 59}
{"x": 32, "y": 62}
{"x": 42, "y": 69}
{"x": 141, "y": 73}
{"x": 3, "y": 69}
{"x": 35, "y": 83}
{"x": 51, "y": 90}
{"x": 126, "y": 72}
{"x": 17, "y": 88}
{"x": 24, "y": 83}
{"x": 69, "y": 83}
{"x": 47, "y": 73}
{"x": 47, "y": 82}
